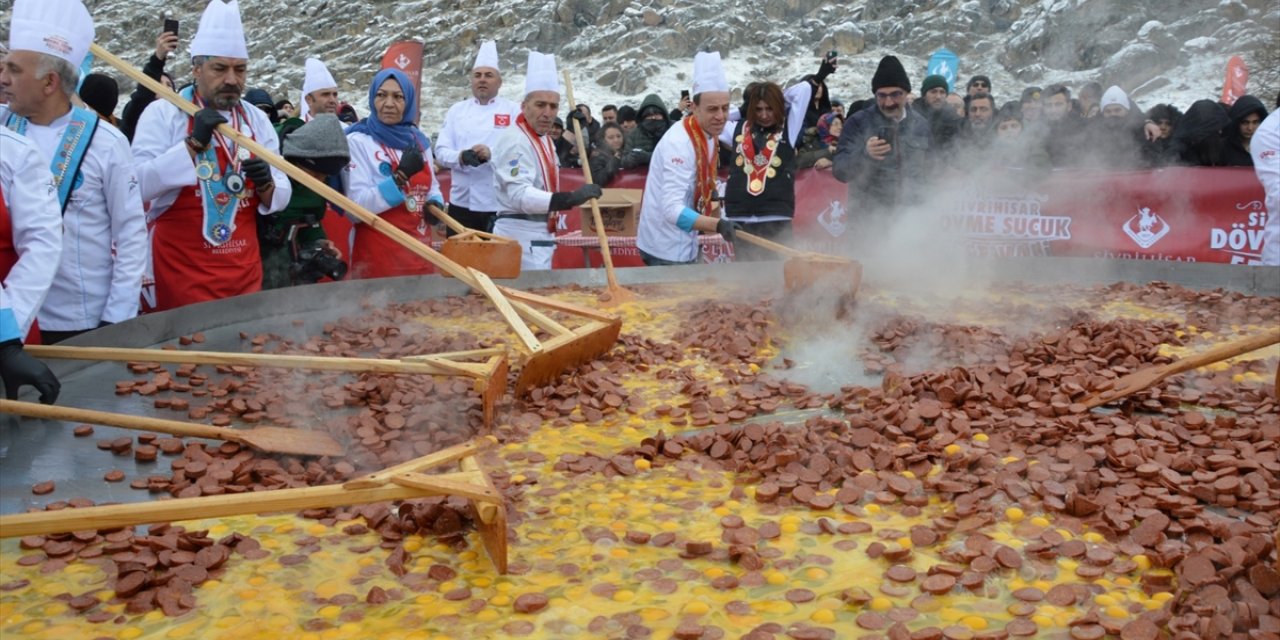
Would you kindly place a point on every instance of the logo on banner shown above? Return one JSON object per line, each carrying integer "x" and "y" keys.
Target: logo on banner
{"x": 501, "y": 119}
{"x": 995, "y": 225}
{"x": 1243, "y": 239}
{"x": 1146, "y": 228}
{"x": 833, "y": 219}
{"x": 403, "y": 61}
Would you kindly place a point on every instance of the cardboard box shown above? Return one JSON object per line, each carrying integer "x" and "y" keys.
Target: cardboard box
{"x": 619, "y": 210}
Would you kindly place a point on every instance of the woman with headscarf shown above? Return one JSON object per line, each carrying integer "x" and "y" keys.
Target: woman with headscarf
{"x": 391, "y": 175}
{"x": 1246, "y": 114}
{"x": 818, "y": 149}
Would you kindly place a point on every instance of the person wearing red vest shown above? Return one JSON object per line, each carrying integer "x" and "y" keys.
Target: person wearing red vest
{"x": 391, "y": 176}
{"x": 30, "y": 248}
{"x": 204, "y": 188}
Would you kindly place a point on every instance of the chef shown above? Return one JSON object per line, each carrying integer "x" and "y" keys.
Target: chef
{"x": 30, "y": 245}
{"x": 466, "y": 142}
{"x": 204, "y": 188}
{"x": 391, "y": 176}
{"x": 681, "y": 187}
{"x": 526, "y": 173}
{"x": 103, "y": 226}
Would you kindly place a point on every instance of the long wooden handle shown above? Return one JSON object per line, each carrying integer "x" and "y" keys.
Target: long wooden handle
{"x": 314, "y": 363}
{"x": 1219, "y": 353}
{"x": 461, "y": 230}
{"x": 447, "y": 219}
{"x": 770, "y": 245}
{"x": 605, "y": 251}
{"x": 220, "y": 506}
{"x": 124, "y": 421}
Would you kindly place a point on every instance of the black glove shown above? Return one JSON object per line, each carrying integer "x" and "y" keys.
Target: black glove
{"x": 17, "y": 369}
{"x": 469, "y": 158}
{"x": 727, "y": 230}
{"x": 828, "y": 66}
{"x": 411, "y": 162}
{"x": 205, "y": 121}
{"x": 580, "y": 117}
{"x": 257, "y": 170}
{"x": 562, "y": 200}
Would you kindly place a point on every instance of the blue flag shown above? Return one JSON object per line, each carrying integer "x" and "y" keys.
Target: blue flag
{"x": 944, "y": 62}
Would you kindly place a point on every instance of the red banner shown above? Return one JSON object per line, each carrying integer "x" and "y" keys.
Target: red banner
{"x": 1236, "y": 82}
{"x": 406, "y": 55}
{"x": 1186, "y": 214}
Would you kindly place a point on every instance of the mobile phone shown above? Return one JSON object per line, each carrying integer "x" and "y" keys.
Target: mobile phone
{"x": 171, "y": 26}
{"x": 684, "y": 94}
{"x": 832, "y": 55}
{"x": 886, "y": 134}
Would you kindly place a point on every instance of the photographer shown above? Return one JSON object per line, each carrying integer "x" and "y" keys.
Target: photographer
{"x": 295, "y": 249}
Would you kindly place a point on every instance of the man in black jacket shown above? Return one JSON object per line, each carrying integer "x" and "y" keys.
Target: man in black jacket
{"x": 883, "y": 153}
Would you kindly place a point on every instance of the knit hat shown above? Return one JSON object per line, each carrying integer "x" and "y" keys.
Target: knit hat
{"x": 100, "y": 92}
{"x": 890, "y": 73}
{"x": 934, "y": 82}
{"x": 258, "y": 97}
{"x": 1115, "y": 95}
{"x": 1031, "y": 93}
{"x": 626, "y": 113}
{"x": 983, "y": 79}
{"x": 319, "y": 145}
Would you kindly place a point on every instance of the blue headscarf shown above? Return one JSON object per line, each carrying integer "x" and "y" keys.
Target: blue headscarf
{"x": 397, "y": 136}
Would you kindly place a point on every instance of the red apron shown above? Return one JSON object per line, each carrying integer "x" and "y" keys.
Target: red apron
{"x": 188, "y": 269}
{"x": 9, "y": 257}
{"x": 374, "y": 255}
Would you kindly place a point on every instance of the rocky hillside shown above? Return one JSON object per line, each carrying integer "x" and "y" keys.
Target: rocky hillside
{"x": 619, "y": 50}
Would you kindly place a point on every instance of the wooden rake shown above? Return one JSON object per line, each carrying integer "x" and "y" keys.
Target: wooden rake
{"x": 489, "y": 377}
{"x": 401, "y": 482}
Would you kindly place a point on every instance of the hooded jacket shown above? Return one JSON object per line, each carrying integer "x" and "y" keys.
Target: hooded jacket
{"x": 1235, "y": 155}
{"x": 1197, "y": 138}
{"x": 641, "y": 141}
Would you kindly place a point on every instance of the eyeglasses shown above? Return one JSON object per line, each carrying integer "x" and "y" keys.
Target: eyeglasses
{"x": 890, "y": 95}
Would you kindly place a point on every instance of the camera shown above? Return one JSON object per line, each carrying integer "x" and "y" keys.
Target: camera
{"x": 313, "y": 262}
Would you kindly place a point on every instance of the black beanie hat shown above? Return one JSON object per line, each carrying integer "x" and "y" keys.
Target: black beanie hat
{"x": 101, "y": 93}
{"x": 890, "y": 73}
{"x": 934, "y": 82}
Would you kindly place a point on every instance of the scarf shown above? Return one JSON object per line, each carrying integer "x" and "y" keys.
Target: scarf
{"x": 401, "y": 135}
{"x": 824, "y": 128}
{"x": 708, "y": 165}
{"x": 545, "y": 152}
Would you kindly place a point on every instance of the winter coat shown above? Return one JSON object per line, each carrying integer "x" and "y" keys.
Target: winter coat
{"x": 642, "y": 140}
{"x": 1197, "y": 138}
{"x": 896, "y": 180}
{"x": 1234, "y": 154}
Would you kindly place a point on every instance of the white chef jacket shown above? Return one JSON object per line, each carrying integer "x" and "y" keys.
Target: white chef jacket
{"x": 522, "y": 189}
{"x": 1265, "y": 149}
{"x": 165, "y": 167}
{"x": 467, "y": 124}
{"x": 668, "y": 191}
{"x": 365, "y": 183}
{"x": 36, "y": 224}
{"x": 104, "y": 233}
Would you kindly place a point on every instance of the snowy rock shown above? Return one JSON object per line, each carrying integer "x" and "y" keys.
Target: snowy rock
{"x": 845, "y": 38}
{"x": 1136, "y": 64}
{"x": 1201, "y": 45}
{"x": 651, "y": 18}
{"x": 1232, "y": 9}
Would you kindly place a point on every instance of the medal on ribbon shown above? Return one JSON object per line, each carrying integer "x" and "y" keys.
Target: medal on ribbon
{"x": 760, "y": 166}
